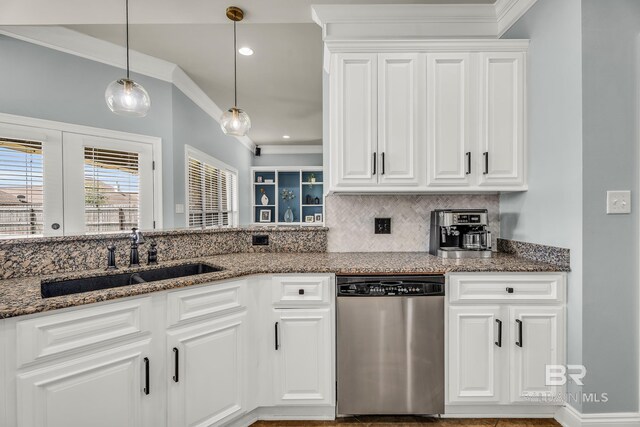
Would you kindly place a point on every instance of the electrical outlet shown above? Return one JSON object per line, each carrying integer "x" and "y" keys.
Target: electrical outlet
{"x": 618, "y": 202}
{"x": 260, "y": 240}
{"x": 382, "y": 226}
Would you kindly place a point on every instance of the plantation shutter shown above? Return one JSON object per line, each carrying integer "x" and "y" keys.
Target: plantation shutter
{"x": 212, "y": 195}
{"x": 21, "y": 187}
{"x": 111, "y": 190}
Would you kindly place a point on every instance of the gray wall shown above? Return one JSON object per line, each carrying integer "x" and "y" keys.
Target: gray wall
{"x": 551, "y": 211}
{"x": 43, "y": 83}
{"x": 610, "y": 31}
{"x": 288, "y": 160}
{"x": 192, "y": 126}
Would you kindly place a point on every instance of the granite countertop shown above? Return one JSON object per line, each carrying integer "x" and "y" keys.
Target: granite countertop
{"x": 22, "y": 296}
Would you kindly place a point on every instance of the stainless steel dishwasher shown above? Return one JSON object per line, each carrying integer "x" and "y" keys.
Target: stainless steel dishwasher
{"x": 390, "y": 345}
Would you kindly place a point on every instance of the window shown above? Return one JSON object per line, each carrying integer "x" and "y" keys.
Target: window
{"x": 111, "y": 190}
{"x": 21, "y": 189}
{"x": 212, "y": 191}
{"x": 56, "y": 183}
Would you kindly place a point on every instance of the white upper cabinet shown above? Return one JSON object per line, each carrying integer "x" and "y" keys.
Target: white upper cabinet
{"x": 449, "y": 153}
{"x": 397, "y": 119}
{"x": 354, "y": 95}
{"x": 429, "y": 116}
{"x": 502, "y": 119}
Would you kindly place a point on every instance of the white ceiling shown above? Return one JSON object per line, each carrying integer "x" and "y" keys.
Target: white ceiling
{"x": 280, "y": 86}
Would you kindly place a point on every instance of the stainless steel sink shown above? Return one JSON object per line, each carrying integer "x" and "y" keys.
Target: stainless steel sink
{"x": 95, "y": 283}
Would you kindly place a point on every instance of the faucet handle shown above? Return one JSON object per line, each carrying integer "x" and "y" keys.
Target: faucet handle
{"x": 111, "y": 257}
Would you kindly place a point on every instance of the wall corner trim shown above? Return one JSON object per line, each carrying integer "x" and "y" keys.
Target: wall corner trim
{"x": 78, "y": 44}
{"x": 568, "y": 416}
{"x": 291, "y": 149}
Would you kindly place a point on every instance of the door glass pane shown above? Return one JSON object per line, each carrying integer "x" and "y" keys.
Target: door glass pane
{"x": 21, "y": 187}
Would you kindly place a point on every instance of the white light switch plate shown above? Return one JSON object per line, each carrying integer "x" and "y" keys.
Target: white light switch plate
{"x": 618, "y": 202}
{"x": 179, "y": 208}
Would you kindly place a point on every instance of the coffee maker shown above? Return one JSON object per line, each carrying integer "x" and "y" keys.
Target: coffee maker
{"x": 460, "y": 233}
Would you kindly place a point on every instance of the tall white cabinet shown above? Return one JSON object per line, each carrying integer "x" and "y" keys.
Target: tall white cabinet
{"x": 427, "y": 116}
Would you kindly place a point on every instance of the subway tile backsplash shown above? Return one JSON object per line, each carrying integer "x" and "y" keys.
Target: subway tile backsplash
{"x": 350, "y": 220}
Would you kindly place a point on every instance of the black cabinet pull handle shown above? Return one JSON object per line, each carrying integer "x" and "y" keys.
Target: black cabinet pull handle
{"x": 175, "y": 364}
{"x": 519, "y": 342}
{"x": 468, "y": 155}
{"x": 499, "y": 342}
{"x": 509, "y": 290}
{"x": 486, "y": 162}
{"x": 375, "y": 158}
{"x": 146, "y": 376}
{"x": 300, "y": 291}
{"x": 382, "y": 173}
{"x": 277, "y": 343}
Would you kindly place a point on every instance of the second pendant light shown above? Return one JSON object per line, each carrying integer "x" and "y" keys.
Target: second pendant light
{"x": 234, "y": 121}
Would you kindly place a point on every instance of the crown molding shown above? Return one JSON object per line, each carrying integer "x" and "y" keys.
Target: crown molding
{"x": 84, "y": 46}
{"x": 424, "y": 45}
{"x": 419, "y": 20}
{"x": 290, "y": 149}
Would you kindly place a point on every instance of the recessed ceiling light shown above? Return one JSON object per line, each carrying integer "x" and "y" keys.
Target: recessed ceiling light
{"x": 285, "y": 137}
{"x": 246, "y": 51}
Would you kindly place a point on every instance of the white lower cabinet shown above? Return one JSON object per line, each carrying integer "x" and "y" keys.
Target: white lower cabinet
{"x": 500, "y": 343}
{"x": 190, "y": 357}
{"x": 302, "y": 356}
{"x": 475, "y": 360}
{"x": 206, "y": 370}
{"x": 538, "y": 341}
{"x": 104, "y": 389}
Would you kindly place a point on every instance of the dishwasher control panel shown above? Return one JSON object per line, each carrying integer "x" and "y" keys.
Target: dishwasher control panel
{"x": 390, "y": 289}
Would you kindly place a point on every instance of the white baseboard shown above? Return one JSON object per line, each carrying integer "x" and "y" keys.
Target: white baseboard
{"x": 569, "y": 417}
{"x": 499, "y": 411}
{"x": 314, "y": 413}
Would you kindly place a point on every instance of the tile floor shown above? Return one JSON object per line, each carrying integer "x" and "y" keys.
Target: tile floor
{"x": 372, "y": 421}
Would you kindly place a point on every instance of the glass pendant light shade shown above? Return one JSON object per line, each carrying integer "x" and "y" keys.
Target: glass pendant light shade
{"x": 235, "y": 122}
{"x": 127, "y": 98}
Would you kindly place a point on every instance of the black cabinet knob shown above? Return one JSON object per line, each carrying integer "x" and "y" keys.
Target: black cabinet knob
{"x": 300, "y": 291}
{"x": 509, "y": 290}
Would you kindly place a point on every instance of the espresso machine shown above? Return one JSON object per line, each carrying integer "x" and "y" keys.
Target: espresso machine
{"x": 460, "y": 233}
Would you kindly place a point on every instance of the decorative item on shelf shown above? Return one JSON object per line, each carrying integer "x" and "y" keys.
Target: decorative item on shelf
{"x": 264, "y": 199}
{"x": 317, "y": 201}
{"x": 265, "y": 215}
{"x": 124, "y": 96}
{"x": 268, "y": 181}
{"x": 312, "y": 178}
{"x": 318, "y": 217}
{"x": 235, "y": 122}
{"x": 308, "y": 218}
{"x": 259, "y": 178}
{"x": 287, "y": 196}
{"x": 309, "y": 199}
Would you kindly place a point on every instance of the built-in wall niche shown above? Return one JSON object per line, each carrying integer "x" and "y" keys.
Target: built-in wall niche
{"x": 287, "y": 195}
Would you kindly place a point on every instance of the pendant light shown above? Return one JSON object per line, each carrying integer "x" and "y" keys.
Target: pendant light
{"x": 124, "y": 96}
{"x": 234, "y": 121}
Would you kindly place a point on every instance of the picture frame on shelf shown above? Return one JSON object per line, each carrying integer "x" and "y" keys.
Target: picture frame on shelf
{"x": 265, "y": 215}
{"x": 259, "y": 179}
{"x": 317, "y": 217}
{"x": 309, "y": 218}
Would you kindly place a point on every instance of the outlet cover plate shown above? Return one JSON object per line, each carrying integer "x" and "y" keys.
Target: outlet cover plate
{"x": 618, "y": 202}
{"x": 382, "y": 226}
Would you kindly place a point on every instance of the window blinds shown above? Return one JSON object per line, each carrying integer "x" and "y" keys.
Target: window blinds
{"x": 212, "y": 195}
{"x": 21, "y": 187}
{"x": 111, "y": 190}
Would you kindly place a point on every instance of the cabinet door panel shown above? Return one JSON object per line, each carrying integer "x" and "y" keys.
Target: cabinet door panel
{"x": 397, "y": 122}
{"x": 354, "y": 115}
{"x": 448, "y": 119}
{"x": 474, "y": 358}
{"x": 302, "y": 373}
{"x": 103, "y": 390}
{"x": 502, "y": 119}
{"x": 210, "y": 372}
{"x": 542, "y": 343}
